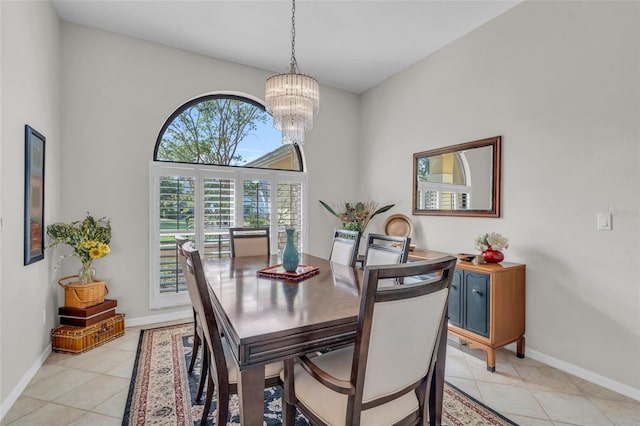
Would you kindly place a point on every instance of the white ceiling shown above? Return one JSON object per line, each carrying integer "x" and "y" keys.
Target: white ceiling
{"x": 350, "y": 45}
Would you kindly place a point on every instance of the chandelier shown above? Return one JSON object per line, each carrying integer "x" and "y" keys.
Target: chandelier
{"x": 292, "y": 98}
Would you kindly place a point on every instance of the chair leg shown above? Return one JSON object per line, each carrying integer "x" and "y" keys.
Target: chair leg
{"x": 204, "y": 371}
{"x": 288, "y": 413}
{"x": 194, "y": 353}
{"x": 288, "y": 395}
{"x": 208, "y": 399}
{"x": 222, "y": 410}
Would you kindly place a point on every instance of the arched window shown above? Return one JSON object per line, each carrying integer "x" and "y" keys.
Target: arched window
{"x": 225, "y": 130}
{"x": 219, "y": 163}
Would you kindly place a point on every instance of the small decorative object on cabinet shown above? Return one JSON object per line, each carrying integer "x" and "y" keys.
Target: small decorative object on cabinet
{"x": 490, "y": 245}
{"x": 492, "y": 256}
{"x": 486, "y": 305}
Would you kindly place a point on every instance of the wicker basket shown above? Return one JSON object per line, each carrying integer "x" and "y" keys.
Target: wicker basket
{"x": 78, "y": 295}
{"x": 76, "y": 340}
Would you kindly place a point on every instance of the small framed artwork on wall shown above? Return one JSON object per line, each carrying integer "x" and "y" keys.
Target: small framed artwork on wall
{"x": 33, "y": 195}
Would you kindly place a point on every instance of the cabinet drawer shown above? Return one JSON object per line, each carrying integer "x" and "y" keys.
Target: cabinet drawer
{"x": 476, "y": 306}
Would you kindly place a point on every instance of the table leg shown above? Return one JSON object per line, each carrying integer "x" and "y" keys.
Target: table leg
{"x": 251, "y": 396}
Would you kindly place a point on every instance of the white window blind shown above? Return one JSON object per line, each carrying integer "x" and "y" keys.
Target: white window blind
{"x": 202, "y": 202}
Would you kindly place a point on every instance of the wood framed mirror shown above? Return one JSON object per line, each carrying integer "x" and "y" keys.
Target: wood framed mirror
{"x": 458, "y": 180}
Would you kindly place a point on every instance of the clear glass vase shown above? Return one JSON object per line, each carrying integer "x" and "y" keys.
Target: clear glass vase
{"x": 87, "y": 273}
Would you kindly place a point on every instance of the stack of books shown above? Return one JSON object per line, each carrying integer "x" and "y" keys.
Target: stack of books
{"x": 84, "y": 317}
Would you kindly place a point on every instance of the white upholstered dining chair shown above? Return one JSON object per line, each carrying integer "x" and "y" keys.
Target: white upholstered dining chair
{"x": 344, "y": 248}
{"x": 223, "y": 371}
{"x": 249, "y": 242}
{"x": 198, "y": 339}
{"x": 387, "y": 376}
{"x": 386, "y": 249}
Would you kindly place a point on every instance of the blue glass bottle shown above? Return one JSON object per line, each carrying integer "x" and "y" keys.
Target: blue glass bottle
{"x": 290, "y": 252}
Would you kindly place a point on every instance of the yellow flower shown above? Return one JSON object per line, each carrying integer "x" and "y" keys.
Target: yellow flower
{"x": 89, "y": 238}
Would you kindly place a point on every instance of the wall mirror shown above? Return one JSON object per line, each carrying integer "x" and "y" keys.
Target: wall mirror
{"x": 458, "y": 180}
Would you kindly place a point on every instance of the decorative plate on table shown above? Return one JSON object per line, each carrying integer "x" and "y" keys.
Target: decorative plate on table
{"x": 398, "y": 225}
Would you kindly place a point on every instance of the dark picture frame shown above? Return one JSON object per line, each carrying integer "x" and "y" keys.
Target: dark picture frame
{"x": 33, "y": 195}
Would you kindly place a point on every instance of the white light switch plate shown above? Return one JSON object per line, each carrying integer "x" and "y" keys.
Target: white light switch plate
{"x": 604, "y": 221}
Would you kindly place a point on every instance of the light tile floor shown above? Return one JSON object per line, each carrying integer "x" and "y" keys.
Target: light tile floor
{"x": 91, "y": 389}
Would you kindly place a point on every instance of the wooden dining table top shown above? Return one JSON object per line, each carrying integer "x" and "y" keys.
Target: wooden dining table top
{"x": 266, "y": 319}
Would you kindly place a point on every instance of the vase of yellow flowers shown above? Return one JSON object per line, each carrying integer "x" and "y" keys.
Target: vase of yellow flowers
{"x": 89, "y": 239}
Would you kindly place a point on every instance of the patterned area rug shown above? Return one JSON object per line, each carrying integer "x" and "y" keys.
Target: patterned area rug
{"x": 163, "y": 393}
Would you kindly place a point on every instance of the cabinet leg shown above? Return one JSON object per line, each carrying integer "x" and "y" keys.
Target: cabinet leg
{"x": 520, "y": 353}
{"x": 491, "y": 360}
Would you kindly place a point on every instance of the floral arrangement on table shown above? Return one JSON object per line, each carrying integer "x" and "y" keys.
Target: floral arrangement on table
{"x": 356, "y": 216}
{"x": 89, "y": 239}
{"x": 491, "y": 246}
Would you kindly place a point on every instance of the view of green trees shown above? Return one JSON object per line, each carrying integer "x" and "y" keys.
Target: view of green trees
{"x": 210, "y": 131}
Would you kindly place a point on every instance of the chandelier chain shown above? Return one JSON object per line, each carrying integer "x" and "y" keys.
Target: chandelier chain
{"x": 294, "y": 63}
{"x": 292, "y": 98}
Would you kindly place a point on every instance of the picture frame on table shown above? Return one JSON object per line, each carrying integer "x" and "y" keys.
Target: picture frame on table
{"x": 33, "y": 195}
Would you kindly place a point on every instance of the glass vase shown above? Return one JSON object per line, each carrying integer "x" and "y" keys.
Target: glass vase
{"x": 290, "y": 253}
{"x": 87, "y": 273}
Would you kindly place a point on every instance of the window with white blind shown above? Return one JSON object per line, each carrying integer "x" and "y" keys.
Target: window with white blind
{"x": 439, "y": 196}
{"x": 218, "y": 163}
{"x": 203, "y": 202}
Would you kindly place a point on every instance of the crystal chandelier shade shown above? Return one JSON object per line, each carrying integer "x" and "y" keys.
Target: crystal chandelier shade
{"x": 292, "y": 98}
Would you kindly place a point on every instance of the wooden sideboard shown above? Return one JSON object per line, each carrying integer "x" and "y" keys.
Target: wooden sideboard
{"x": 486, "y": 304}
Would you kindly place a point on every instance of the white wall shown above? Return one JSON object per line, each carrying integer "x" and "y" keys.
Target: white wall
{"x": 30, "y": 58}
{"x": 117, "y": 94}
{"x": 560, "y": 82}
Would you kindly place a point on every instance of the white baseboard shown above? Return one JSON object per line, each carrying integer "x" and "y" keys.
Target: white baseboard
{"x": 587, "y": 375}
{"x": 24, "y": 382}
{"x": 152, "y": 319}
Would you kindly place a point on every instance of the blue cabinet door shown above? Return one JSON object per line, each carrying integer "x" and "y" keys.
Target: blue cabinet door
{"x": 455, "y": 299}
{"x": 476, "y": 303}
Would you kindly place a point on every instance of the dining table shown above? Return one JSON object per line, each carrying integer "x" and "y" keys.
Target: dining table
{"x": 267, "y": 319}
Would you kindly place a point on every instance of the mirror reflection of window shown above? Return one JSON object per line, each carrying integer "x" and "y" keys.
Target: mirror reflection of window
{"x": 445, "y": 181}
{"x": 460, "y": 179}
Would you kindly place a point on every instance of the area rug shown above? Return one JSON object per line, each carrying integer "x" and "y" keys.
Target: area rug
{"x": 163, "y": 393}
